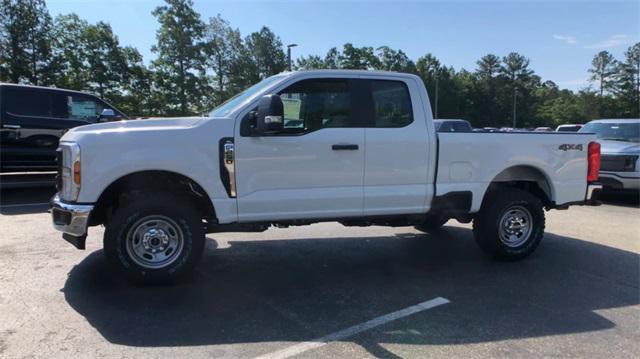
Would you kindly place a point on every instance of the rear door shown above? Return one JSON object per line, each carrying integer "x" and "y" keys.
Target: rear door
{"x": 396, "y": 160}
{"x": 31, "y": 128}
{"x": 315, "y": 167}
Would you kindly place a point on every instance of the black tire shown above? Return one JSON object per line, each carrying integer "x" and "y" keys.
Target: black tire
{"x": 499, "y": 226}
{"x": 156, "y": 220}
{"x": 432, "y": 223}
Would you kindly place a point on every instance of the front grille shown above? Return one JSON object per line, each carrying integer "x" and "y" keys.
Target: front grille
{"x": 618, "y": 163}
{"x": 59, "y": 169}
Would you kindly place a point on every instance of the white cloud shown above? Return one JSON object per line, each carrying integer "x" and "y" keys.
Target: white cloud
{"x": 565, "y": 38}
{"x": 612, "y": 41}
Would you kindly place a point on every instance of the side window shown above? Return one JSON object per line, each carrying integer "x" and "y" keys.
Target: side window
{"x": 391, "y": 103}
{"x": 461, "y": 127}
{"x": 310, "y": 105}
{"x": 28, "y": 102}
{"x": 83, "y": 108}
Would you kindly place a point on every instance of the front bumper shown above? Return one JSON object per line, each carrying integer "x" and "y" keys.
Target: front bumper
{"x": 71, "y": 219}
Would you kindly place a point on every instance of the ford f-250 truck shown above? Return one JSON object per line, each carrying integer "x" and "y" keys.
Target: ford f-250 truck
{"x": 357, "y": 147}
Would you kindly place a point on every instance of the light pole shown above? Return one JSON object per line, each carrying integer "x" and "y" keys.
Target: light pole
{"x": 437, "y": 86}
{"x": 289, "y": 54}
{"x": 515, "y": 96}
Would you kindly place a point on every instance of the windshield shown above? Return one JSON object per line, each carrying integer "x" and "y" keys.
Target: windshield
{"x": 614, "y": 131}
{"x": 228, "y": 106}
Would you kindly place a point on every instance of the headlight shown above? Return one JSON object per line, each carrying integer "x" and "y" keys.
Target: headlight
{"x": 70, "y": 171}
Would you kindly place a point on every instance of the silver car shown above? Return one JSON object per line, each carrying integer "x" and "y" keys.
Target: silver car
{"x": 620, "y": 141}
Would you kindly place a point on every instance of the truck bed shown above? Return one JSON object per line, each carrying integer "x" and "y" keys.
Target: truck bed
{"x": 471, "y": 161}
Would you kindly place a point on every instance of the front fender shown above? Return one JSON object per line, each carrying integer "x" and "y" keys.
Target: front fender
{"x": 191, "y": 152}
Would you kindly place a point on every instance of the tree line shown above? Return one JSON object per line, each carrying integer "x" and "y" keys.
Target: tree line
{"x": 199, "y": 63}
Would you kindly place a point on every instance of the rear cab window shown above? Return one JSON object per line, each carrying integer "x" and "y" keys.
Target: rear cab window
{"x": 391, "y": 103}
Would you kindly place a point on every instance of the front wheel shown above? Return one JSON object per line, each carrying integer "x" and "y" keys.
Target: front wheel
{"x": 154, "y": 238}
{"x": 510, "y": 224}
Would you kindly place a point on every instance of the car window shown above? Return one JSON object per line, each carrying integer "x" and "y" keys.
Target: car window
{"x": 392, "y": 103}
{"x": 461, "y": 127}
{"x": 614, "y": 131}
{"x": 310, "y": 105}
{"x": 31, "y": 102}
{"x": 83, "y": 108}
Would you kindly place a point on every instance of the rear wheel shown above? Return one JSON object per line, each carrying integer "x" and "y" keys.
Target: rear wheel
{"x": 510, "y": 224}
{"x": 432, "y": 223}
{"x": 155, "y": 238}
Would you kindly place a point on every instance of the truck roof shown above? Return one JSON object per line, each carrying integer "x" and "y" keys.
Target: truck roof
{"x": 333, "y": 72}
{"x": 8, "y": 84}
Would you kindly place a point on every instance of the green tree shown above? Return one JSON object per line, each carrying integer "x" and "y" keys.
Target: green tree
{"x": 311, "y": 62}
{"x": 180, "y": 65}
{"x": 266, "y": 52}
{"x": 69, "y": 52}
{"x": 628, "y": 86}
{"x": 223, "y": 47}
{"x": 430, "y": 71}
{"x": 520, "y": 79}
{"x": 355, "y": 58}
{"x": 392, "y": 60}
{"x": 488, "y": 82}
{"x": 603, "y": 70}
{"x": 107, "y": 66}
{"x": 25, "y": 33}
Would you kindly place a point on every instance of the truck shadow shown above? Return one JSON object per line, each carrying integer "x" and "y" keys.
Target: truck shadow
{"x": 297, "y": 290}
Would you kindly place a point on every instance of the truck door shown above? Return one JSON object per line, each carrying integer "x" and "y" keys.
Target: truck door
{"x": 30, "y": 127}
{"x": 315, "y": 167}
{"x": 396, "y": 160}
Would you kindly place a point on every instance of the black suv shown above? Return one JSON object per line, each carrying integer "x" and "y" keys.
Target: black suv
{"x": 32, "y": 120}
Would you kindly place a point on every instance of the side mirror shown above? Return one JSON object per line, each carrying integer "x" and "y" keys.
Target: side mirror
{"x": 270, "y": 115}
{"x": 107, "y": 115}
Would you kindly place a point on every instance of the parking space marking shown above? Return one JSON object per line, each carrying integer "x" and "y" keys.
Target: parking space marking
{"x": 358, "y": 328}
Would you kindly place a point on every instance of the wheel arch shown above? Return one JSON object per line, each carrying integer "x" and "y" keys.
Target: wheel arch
{"x": 528, "y": 178}
{"x": 132, "y": 184}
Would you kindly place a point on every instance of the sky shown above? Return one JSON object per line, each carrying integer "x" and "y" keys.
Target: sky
{"x": 559, "y": 37}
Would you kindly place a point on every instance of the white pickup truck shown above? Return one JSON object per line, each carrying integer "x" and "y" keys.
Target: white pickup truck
{"x": 357, "y": 147}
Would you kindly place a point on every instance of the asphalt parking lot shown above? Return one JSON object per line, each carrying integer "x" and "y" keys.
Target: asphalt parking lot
{"x": 274, "y": 293}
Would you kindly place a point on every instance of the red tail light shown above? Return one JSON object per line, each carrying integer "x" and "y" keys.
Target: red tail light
{"x": 593, "y": 159}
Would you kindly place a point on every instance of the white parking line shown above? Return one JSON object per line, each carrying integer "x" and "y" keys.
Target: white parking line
{"x": 358, "y": 328}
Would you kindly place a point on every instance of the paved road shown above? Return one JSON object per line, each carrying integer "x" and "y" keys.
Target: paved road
{"x": 256, "y": 294}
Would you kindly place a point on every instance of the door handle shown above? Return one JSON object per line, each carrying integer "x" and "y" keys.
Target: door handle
{"x": 13, "y": 127}
{"x": 344, "y": 147}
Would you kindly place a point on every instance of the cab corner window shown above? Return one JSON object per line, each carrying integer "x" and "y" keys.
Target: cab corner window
{"x": 391, "y": 103}
{"x": 310, "y": 105}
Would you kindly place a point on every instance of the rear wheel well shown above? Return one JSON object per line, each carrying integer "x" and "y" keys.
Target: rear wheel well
{"x": 136, "y": 184}
{"x": 528, "y": 179}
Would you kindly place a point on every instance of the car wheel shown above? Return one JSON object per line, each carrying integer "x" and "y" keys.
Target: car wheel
{"x": 510, "y": 224}
{"x": 155, "y": 238}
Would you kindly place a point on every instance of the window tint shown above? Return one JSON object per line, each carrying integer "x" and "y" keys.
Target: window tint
{"x": 53, "y": 104}
{"x": 310, "y": 105}
{"x": 460, "y": 126}
{"x": 33, "y": 102}
{"x": 391, "y": 103}
{"x": 83, "y": 108}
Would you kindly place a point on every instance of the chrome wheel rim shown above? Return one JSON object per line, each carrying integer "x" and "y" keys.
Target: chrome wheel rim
{"x": 154, "y": 242}
{"x": 516, "y": 225}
